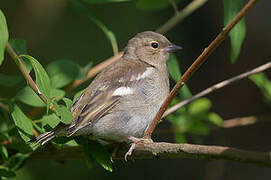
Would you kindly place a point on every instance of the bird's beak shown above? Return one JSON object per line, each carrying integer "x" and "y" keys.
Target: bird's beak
{"x": 172, "y": 48}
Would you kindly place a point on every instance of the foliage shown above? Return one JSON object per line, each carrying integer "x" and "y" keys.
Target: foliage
{"x": 51, "y": 81}
{"x": 193, "y": 119}
{"x": 238, "y": 33}
{"x": 264, "y": 84}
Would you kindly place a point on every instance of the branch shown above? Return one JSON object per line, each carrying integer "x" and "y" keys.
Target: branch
{"x": 181, "y": 15}
{"x": 23, "y": 70}
{"x": 217, "y": 86}
{"x": 245, "y": 121}
{"x": 165, "y": 151}
{"x": 203, "y": 56}
{"x": 26, "y": 75}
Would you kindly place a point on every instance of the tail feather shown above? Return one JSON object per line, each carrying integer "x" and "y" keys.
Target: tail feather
{"x": 44, "y": 138}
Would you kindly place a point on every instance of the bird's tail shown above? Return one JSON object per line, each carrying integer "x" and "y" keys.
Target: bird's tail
{"x": 43, "y": 138}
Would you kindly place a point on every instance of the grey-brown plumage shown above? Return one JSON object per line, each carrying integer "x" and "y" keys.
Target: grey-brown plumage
{"x": 124, "y": 98}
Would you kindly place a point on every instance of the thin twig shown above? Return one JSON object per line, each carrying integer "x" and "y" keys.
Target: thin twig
{"x": 178, "y": 17}
{"x": 203, "y": 56}
{"x": 164, "y": 150}
{"x": 26, "y": 75}
{"x": 174, "y": 6}
{"x": 229, "y": 123}
{"x": 217, "y": 86}
{"x": 246, "y": 121}
{"x": 23, "y": 70}
{"x": 5, "y": 107}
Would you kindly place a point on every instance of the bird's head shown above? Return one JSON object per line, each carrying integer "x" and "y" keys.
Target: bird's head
{"x": 150, "y": 47}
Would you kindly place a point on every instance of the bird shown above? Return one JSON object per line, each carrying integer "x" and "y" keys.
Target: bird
{"x": 123, "y": 99}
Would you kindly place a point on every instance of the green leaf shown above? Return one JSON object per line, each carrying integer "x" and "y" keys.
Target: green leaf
{"x": 59, "y": 93}
{"x": 17, "y": 161}
{"x": 3, "y": 152}
{"x": 59, "y": 140}
{"x": 29, "y": 97}
{"x": 153, "y": 4}
{"x": 238, "y": 33}
{"x": 175, "y": 73}
{"x": 68, "y": 102}
{"x": 19, "y": 46}
{"x": 199, "y": 128}
{"x": 103, "y": 1}
{"x": 180, "y": 122}
{"x": 62, "y": 72}
{"x": 174, "y": 68}
{"x": 88, "y": 156}
{"x": 180, "y": 138}
{"x": 4, "y": 136}
{"x": 185, "y": 93}
{"x": 6, "y": 172}
{"x": 64, "y": 113}
{"x": 72, "y": 143}
{"x": 84, "y": 71}
{"x": 3, "y": 35}
{"x": 215, "y": 119}
{"x": 51, "y": 119}
{"x": 100, "y": 154}
{"x": 77, "y": 95}
{"x": 200, "y": 106}
{"x": 22, "y": 122}
{"x": 264, "y": 84}
{"x": 9, "y": 80}
{"x": 108, "y": 33}
{"x": 42, "y": 79}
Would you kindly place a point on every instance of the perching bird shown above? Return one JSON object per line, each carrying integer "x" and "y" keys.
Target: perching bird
{"x": 123, "y": 99}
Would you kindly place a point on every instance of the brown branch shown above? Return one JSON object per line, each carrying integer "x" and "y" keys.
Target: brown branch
{"x": 23, "y": 70}
{"x": 26, "y": 75}
{"x": 204, "y": 55}
{"x": 166, "y": 151}
{"x": 217, "y": 86}
{"x": 246, "y": 121}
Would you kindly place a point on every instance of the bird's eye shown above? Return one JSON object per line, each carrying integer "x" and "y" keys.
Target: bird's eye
{"x": 154, "y": 45}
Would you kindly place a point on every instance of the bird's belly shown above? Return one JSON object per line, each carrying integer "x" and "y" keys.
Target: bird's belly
{"x": 132, "y": 121}
{"x": 131, "y": 118}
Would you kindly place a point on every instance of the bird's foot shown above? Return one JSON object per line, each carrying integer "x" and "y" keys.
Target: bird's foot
{"x": 135, "y": 141}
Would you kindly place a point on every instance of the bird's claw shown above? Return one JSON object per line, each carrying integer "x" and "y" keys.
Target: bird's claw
{"x": 129, "y": 152}
{"x": 135, "y": 141}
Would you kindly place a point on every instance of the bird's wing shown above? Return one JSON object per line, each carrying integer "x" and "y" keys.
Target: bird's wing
{"x": 101, "y": 96}
{"x": 100, "y": 104}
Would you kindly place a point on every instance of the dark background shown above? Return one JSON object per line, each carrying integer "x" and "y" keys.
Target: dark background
{"x": 54, "y": 30}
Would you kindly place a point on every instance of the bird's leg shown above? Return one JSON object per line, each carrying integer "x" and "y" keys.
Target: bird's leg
{"x": 133, "y": 145}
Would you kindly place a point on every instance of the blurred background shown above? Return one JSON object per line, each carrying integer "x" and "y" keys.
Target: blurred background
{"x": 54, "y": 30}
